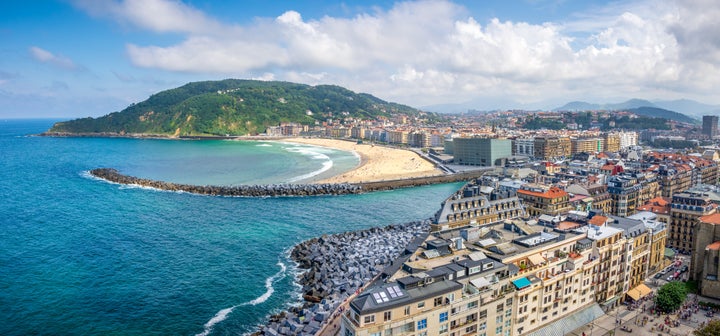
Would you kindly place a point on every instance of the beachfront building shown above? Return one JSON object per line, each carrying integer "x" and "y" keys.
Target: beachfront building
{"x": 484, "y": 152}
{"x": 477, "y": 205}
{"x": 397, "y": 137}
{"x": 544, "y": 200}
{"x": 685, "y": 209}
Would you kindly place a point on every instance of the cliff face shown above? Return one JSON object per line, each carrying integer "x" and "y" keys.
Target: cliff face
{"x": 234, "y": 107}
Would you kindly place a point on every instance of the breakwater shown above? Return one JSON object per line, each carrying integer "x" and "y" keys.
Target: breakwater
{"x": 272, "y": 190}
{"x": 337, "y": 266}
{"x": 276, "y": 190}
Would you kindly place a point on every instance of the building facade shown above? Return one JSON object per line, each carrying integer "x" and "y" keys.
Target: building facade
{"x": 484, "y": 152}
{"x": 710, "y": 125}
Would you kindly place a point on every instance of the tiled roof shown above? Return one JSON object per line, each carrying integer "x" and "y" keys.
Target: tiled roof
{"x": 553, "y": 192}
{"x": 598, "y": 220}
{"x": 714, "y": 246}
{"x": 711, "y": 219}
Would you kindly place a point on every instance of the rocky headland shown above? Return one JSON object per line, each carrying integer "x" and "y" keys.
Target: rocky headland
{"x": 337, "y": 266}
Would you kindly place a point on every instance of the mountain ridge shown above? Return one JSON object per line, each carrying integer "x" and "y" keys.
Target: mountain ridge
{"x": 235, "y": 107}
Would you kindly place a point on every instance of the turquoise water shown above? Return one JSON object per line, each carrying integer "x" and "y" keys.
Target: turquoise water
{"x": 82, "y": 256}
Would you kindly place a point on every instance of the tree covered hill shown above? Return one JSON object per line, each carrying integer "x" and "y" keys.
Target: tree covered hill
{"x": 235, "y": 107}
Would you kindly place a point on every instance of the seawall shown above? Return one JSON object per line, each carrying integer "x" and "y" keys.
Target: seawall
{"x": 278, "y": 190}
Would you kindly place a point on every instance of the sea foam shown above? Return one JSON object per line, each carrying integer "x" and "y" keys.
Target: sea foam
{"x": 314, "y": 153}
{"x": 222, "y": 315}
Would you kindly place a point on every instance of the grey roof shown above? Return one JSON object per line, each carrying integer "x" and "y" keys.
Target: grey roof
{"x": 632, "y": 227}
{"x": 366, "y": 303}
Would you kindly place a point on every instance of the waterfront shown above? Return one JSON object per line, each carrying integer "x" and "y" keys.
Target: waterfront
{"x": 82, "y": 256}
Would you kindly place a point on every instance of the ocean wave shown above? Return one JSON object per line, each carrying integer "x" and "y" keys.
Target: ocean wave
{"x": 222, "y": 315}
{"x": 325, "y": 167}
{"x": 263, "y": 145}
{"x": 315, "y": 153}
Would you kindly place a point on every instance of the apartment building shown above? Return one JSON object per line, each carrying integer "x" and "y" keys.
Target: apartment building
{"x": 612, "y": 142}
{"x": 551, "y": 147}
{"x": 544, "y": 200}
{"x": 598, "y": 199}
{"x": 586, "y": 145}
{"x": 685, "y": 209}
{"x": 477, "y": 204}
{"x": 660, "y": 207}
{"x": 658, "y": 238}
{"x": 705, "y": 266}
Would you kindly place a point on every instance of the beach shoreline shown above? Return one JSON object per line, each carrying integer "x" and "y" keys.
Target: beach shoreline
{"x": 377, "y": 163}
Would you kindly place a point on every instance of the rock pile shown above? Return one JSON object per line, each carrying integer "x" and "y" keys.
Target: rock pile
{"x": 336, "y": 266}
{"x": 267, "y": 190}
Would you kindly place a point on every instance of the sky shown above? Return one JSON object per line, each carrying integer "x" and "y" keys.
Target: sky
{"x": 88, "y": 58}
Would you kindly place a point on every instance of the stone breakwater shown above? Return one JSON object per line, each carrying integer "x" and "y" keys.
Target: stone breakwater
{"x": 336, "y": 267}
{"x": 272, "y": 190}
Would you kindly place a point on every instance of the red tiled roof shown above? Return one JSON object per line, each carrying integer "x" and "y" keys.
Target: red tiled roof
{"x": 711, "y": 219}
{"x": 658, "y": 205}
{"x": 598, "y": 220}
{"x": 565, "y": 225}
{"x": 553, "y": 192}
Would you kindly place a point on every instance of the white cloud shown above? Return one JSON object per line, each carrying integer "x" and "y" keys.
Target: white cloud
{"x": 45, "y": 56}
{"x": 425, "y": 52}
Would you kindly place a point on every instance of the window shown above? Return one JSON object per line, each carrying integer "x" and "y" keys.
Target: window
{"x": 498, "y": 319}
{"x": 349, "y": 332}
{"x": 421, "y": 304}
{"x": 370, "y": 319}
{"x": 438, "y": 301}
{"x": 422, "y": 324}
{"x": 387, "y": 316}
{"x": 379, "y": 333}
{"x": 443, "y": 317}
{"x": 483, "y": 326}
{"x": 407, "y": 310}
{"x": 498, "y": 330}
{"x": 443, "y": 329}
{"x": 424, "y": 333}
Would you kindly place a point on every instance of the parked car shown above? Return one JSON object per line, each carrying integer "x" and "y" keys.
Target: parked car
{"x": 684, "y": 269}
{"x": 658, "y": 276}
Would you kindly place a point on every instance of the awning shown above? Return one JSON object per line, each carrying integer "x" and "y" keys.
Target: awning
{"x": 639, "y": 292}
{"x": 480, "y": 282}
{"x": 522, "y": 283}
{"x": 536, "y": 259}
{"x": 634, "y": 294}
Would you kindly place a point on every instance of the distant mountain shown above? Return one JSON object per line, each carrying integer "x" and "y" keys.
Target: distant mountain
{"x": 584, "y": 106}
{"x": 689, "y": 107}
{"x": 235, "y": 107}
{"x": 656, "y": 112}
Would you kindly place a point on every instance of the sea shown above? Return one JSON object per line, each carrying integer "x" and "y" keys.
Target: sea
{"x": 82, "y": 256}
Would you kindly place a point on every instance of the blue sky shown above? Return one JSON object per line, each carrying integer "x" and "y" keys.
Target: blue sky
{"x": 82, "y": 58}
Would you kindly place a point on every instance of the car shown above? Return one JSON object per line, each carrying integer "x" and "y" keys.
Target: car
{"x": 670, "y": 278}
{"x": 684, "y": 269}
{"x": 658, "y": 276}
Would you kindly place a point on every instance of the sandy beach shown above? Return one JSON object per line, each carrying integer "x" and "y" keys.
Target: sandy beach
{"x": 376, "y": 162}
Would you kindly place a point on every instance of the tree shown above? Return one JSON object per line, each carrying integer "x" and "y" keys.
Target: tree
{"x": 712, "y": 328}
{"x": 670, "y": 296}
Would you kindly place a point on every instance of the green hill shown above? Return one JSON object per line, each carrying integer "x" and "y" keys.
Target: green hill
{"x": 235, "y": 107}
{"x": 655, "y": 112}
